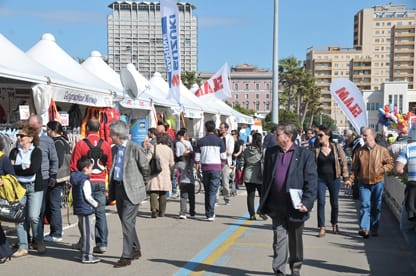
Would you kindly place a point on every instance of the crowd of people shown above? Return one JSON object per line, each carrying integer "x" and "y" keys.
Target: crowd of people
{"x": 289, "y": 170}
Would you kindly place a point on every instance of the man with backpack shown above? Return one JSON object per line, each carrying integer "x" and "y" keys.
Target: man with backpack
{"x": 100, "y": 153}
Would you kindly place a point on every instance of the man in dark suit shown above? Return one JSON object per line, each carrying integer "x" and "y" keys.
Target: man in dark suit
{"x": 128, "y": 176}
{"x": 288, "y": 168}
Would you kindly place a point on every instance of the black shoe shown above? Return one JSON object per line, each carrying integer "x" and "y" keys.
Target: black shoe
{"x": 136, "y": 254}
{"x": 123, "y": 262}
{"x": 252, "y": 217}
{"x": 364, "y": 234}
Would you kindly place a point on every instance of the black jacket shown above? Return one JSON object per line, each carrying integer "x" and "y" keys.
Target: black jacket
{"x": 302, "y": 174}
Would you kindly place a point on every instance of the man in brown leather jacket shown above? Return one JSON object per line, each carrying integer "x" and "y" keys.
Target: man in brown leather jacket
{"x": 369, "y": 165}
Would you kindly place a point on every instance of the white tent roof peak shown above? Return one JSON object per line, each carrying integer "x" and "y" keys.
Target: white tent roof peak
{"x": 48, "y": 36}
{"x": 95, "y": 53}
{"x": 157, "y": 75}
{"x": 48, "y": 53}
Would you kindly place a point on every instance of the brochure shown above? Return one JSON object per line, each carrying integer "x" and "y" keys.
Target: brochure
{"x": 296, "y": 197}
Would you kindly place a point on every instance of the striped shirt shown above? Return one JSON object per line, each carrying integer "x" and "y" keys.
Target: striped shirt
{"x": 408, "y": 156}
{"x": 210, "y": 152}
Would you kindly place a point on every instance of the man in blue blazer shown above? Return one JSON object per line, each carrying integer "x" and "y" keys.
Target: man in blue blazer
{"x": 288, "y": 169}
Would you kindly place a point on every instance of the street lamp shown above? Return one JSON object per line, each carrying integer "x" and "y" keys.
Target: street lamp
{"x": 275, "y": 89}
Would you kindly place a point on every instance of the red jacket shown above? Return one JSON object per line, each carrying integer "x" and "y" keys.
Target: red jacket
{"x": 81, "y": 149}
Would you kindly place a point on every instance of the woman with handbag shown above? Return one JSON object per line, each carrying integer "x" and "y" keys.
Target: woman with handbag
{"x": 5, "y": 168}
{"x": 332, "y": 164}
{"x": 26, "y": 159}
{"x": 54, "y": 193}
{"x": 252, "y": 173}
{"x": 161, "y": 182}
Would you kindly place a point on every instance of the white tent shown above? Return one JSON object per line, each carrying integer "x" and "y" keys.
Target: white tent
{"x": 17, "y": 70}
{"x": 190, "y": 101}
{"x": 50, "y": 55}
{"x": 96, "y": 66}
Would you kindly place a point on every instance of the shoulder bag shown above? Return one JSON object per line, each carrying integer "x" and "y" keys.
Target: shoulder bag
{"x": 154, "y": 163}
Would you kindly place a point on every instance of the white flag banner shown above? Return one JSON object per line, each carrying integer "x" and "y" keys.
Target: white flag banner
{"x": 351, "y": 100}
{"x": 170, "y": 34}
{"x": 218, "y": 84}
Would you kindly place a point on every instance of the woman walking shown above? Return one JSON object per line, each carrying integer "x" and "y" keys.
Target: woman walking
{"x": 251, "y": 162}
{"x": 161, "y": 183}
{"x": 26, "y": 159}
{"x": 332, "y": 164}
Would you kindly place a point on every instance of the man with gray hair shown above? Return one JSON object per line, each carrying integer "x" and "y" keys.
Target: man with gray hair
{"x": 369, "y": 165}
{"x": 128, "y": 177}
{"x": 288, "y": 170}
{"x": 49, "y": 169}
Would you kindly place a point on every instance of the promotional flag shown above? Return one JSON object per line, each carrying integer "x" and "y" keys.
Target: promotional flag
{"x": 170, "y": 35}
{"x": 218, "y": 84}
{"x": 350, "y": 99}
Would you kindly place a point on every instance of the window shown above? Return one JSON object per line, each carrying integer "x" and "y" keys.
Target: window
{"x": 257, "y": 96}
{"x": 236, "y": 96}
{"x": 247, "y": 86}
{"x": 267, "y": 96}
{"x": 257, "y": 86}
{"x": 246, "y": 96}
{"x": 267, "y": 86}
{"x": 235, "y": 86}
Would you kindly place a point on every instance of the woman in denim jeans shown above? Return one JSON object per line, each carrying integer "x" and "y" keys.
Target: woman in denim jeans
{"x": 26, "y": 159}
{"x": 332, "y": 164}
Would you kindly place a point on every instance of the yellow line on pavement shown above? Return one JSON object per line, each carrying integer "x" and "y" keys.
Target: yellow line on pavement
{"x": 219, "y": 251}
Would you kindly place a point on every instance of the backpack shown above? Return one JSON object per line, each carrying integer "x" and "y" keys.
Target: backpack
{"x": 97, "y": 156}
{"x": 64, "y": 173}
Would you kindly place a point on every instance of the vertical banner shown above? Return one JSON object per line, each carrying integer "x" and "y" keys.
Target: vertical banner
{"x": 351, "y": 100}
{"x": 218, "y": 84}
{"x": 170, "y": 35}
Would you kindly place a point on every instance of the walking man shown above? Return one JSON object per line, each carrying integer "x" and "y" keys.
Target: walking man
{"x": 288, "y": 168}
{"x": 210, "y": 156}
{"x": 102, "y": 164}
{"x": 229, "y": 150}
{"x": 49, "y": 169}
{"x": 408, "y": 214}
{"x": 369, "y": 164}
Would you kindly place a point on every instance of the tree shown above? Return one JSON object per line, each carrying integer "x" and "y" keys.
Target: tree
{"x": 241, "y": 109}
{"x": 290, "y": 71}
{"x": 190, "y": 78}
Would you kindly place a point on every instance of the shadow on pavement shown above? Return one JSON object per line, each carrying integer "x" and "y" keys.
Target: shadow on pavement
{"x": 200, "y": 267}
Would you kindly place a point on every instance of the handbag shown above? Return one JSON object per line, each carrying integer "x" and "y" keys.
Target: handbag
{"x": 12, "y": 211}
{"x": 154, "y": 164}
{"x": 238, "y": 179}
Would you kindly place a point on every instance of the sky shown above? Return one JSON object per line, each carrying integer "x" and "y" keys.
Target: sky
{"x": 233, "y": 31}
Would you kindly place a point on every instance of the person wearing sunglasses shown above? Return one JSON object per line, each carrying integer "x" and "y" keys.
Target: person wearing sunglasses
{"x": 332, "y": 165}
{"x": 26, "y": 159}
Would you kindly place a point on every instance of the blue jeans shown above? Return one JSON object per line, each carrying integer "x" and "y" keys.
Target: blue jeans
{"x": 333, "y": 188}
{"x": 371, "y": 197}
{"x": 101, "y": 228}
{"x": 33, "y": 202}
{"x": 408, "y": 229}
{"x": 53, "y": 209}
{"x": 211, "y": 180}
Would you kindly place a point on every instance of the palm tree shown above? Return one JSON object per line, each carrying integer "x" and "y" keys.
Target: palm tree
{"x": 290, "y": 71}
{"x": 190, "y": 78}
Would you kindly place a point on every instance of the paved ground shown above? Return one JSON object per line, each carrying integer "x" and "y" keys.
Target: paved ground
{"x": 231, "y": 245}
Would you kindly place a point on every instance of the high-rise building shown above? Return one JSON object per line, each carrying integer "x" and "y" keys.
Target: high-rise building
{"x": 135, "y": 36}
{"x": 384, "y": 50}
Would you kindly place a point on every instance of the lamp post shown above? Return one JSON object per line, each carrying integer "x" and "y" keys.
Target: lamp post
{"x": 275, "y": 89}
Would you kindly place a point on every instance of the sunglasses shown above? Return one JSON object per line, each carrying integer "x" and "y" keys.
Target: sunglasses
{"x": 20, "y": 135}
{"x": 320, "y": 135}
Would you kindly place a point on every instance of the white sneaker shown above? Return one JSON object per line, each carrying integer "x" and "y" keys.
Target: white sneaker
{"x": 182, "y": 216}
{"x": 211, "y": 218}
{"x": 50, "y": 238}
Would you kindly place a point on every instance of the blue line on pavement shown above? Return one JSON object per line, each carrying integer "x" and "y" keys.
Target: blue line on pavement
{"x": 207, "y": 251}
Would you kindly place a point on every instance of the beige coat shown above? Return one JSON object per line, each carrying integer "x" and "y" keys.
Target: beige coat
{"x": 162, "y": 181}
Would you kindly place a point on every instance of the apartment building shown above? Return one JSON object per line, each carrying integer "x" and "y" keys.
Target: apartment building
{"x": 383, "y": 51}
{"x": 251, "y": 87}
{"x": 135, "y": 36}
